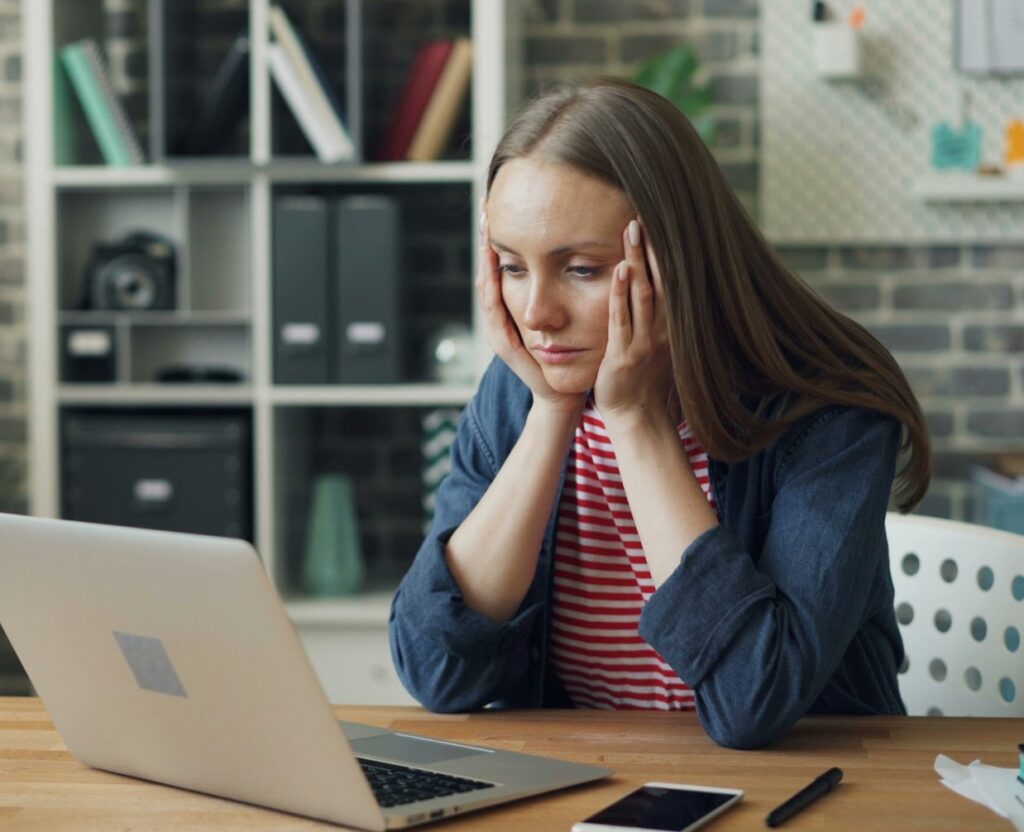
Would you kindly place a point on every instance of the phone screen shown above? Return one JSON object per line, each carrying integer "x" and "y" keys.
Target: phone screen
{"x": 652, "y": 807}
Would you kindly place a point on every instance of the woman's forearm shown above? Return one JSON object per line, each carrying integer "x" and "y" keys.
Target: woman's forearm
{"x": 493, "y": 554}
{"x": 668, "y": 505}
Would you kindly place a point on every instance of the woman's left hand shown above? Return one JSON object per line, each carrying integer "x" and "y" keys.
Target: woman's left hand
{"x": 635, "y": 375}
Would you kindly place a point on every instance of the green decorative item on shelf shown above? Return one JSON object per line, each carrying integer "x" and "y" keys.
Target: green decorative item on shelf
{"x": 333, "y": 564}
{"x": 671, "y": 74}
{"x": 439, "y": 428}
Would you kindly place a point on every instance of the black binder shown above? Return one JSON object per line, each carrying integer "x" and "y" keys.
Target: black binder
{"x": 366, "y": 272}
{"x": 302, "y": 302}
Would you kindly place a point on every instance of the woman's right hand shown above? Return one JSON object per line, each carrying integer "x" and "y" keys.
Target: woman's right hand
{"x": 503, "y": 335}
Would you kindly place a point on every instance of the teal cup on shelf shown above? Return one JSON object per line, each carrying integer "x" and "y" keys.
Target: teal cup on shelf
{"x": 333, "y": 563}
{"x": 956, "y": 148}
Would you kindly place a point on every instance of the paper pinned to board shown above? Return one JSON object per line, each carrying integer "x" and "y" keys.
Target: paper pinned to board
{"x": 993, "y": 787}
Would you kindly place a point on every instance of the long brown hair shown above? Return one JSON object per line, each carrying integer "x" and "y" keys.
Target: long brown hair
{"x": 753, "y": 348}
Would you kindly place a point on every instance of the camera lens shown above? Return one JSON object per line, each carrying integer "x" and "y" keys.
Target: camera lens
{"x": 133, "y": 289}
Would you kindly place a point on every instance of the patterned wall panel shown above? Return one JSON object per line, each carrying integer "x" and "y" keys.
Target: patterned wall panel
{"x": 841, "y": 158}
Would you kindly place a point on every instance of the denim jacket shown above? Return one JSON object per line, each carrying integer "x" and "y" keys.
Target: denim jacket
{"x": 784, "y": 609}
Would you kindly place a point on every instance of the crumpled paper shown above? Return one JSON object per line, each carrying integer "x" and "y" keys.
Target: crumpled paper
{"x": 997, "y": 788}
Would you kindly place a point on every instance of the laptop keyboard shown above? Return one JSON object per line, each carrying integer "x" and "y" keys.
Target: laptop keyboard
{"x": 396, "y": 785}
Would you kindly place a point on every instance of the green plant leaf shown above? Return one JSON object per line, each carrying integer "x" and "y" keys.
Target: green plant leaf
{"x": 671, "y": 74}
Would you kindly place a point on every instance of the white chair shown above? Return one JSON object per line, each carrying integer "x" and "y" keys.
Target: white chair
{"x": 960, "y": 606}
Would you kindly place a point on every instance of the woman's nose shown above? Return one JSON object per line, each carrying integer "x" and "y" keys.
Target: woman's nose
{"x": 544, "y": 307}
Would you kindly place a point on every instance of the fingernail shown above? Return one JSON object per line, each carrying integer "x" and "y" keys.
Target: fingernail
{"x": 623, "y": 269}
{"x": 634, "y": 233}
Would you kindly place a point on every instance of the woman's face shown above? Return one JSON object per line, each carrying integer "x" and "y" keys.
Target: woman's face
{"x": 558, "y": 234}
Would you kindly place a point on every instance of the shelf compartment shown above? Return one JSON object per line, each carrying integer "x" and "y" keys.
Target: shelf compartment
{"x": 156, "y": 348}
{"x": 219, "y": 268}
{"x": 434, "y": 274}
{"x": 194, "y": 115}
{"x": 174, "y": 470}
{"x": 380, "y": 449}
{"x": 329, "y": 34}
{"x": 208, "y": 229}
{"x": 353, "y": 663}
{"x": 394, "y": 32}
{"x": 73, "y": 141}
{"x": 87, "y": 218}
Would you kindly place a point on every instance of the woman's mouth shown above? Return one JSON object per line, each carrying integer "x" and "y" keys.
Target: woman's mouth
{"x": 556, "y": 354}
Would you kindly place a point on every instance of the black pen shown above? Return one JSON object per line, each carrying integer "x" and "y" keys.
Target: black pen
{"x": 805, "y": 797}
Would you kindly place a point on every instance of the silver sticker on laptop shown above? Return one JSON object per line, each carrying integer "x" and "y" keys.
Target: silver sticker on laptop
{"x": 150, "y": 664}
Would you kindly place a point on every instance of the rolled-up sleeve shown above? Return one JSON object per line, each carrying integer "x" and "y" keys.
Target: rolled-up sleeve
{"x": 758, "y": 640}
{"x": 449, "y": 656}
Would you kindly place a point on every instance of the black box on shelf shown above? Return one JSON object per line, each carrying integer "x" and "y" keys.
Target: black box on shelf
{"x": 366, "y": 242}
{"x": 302, "y": 306}
{"x": 88, "y": 354}
{"x": 175, "y": 471}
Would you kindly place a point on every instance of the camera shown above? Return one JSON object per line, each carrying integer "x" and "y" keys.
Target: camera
{"x": 135, "y": 273}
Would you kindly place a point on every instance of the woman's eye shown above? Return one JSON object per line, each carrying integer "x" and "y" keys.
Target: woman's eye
{"x": 514, "y": 270}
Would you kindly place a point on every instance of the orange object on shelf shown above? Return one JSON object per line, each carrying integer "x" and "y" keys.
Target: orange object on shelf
{"x": 1015, "y": 143}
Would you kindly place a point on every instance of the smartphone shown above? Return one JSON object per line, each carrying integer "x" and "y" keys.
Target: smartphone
{"x": 665, "y": 807}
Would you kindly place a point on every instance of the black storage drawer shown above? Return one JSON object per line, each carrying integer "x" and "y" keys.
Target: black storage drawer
{"x": 176, "y": 471}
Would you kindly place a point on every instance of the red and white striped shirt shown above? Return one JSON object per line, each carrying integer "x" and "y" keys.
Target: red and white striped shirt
{"x": 602, "y": 582}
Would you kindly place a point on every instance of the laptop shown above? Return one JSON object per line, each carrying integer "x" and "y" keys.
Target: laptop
{"x": 170, "y": 657}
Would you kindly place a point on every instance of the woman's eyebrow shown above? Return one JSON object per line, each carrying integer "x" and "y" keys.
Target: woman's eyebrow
{"x": 563, "y": 249}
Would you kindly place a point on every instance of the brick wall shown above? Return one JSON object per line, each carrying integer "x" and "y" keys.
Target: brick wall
{"x": 954, "y": 316}
{"x": 570, "y": 40}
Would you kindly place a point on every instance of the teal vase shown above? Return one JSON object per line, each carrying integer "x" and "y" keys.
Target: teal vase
{"x": 333, "y": 563}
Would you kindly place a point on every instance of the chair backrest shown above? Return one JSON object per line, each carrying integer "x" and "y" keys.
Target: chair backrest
{"x": 960, "y": 606}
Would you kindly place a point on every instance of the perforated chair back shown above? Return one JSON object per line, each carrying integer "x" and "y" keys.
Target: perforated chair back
{"x": 960, "y": 606}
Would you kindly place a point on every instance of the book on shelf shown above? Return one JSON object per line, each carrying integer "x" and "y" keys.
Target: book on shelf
{"x": 427, "y": 67}
{"x": 118, "y": 142}
{"x": 223, "y": 104}
{"x": 297, "y": 97}
{"x": 325, "y": 82}
{"x": 435, "y": 127}
{"x": 324, "y": 112}
{"x": 67, "y": 127}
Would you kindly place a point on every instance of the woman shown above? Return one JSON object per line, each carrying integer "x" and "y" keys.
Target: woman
{"x": 670, "y": 488}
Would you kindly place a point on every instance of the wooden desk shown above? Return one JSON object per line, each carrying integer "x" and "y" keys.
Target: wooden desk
{"x": 889, "y": 782}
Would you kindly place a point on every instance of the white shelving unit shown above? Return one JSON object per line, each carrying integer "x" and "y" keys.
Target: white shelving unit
{"x": 226, "y": 202}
